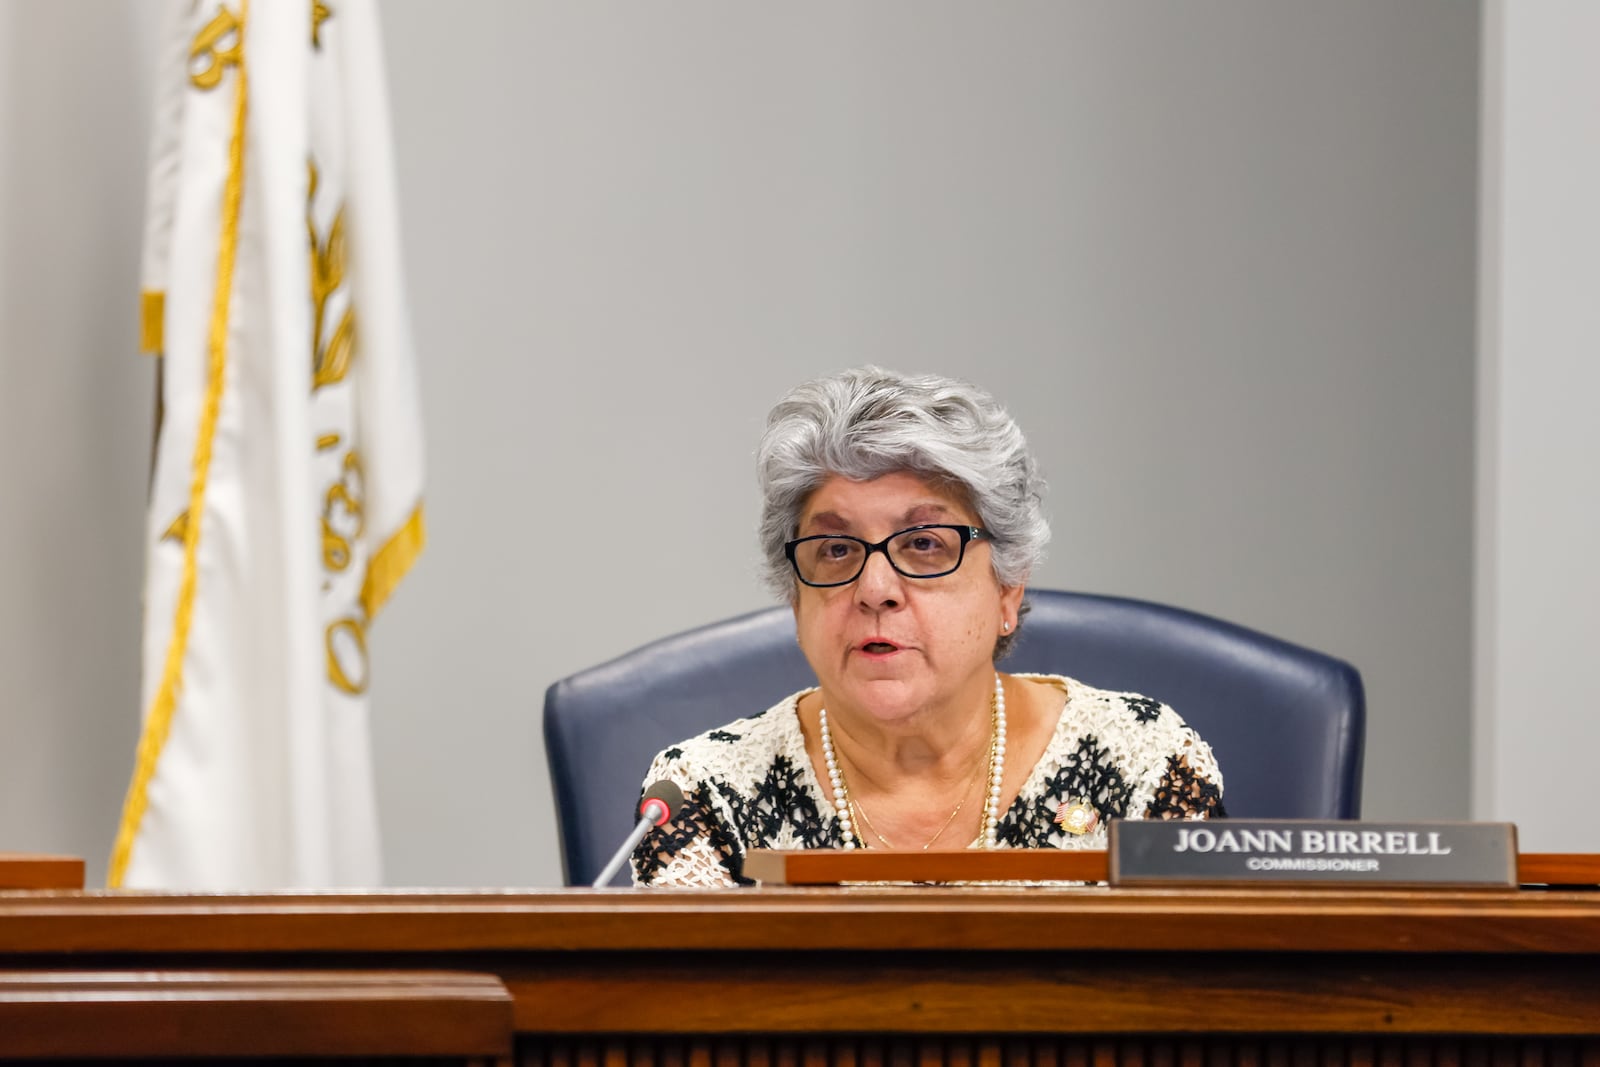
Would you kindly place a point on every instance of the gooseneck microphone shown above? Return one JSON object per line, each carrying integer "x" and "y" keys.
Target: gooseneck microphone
{"x": 656, "y": 808}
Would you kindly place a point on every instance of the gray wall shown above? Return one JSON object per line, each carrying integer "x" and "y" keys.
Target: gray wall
{"x": 1539, "y": 582}
{"x": 75, "y": 418}
{"x": 1219, "y": 259}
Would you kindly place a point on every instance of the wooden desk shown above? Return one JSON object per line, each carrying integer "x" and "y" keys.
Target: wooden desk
{"x": 166, "y": 1015}
{"x": 915, "y": 977}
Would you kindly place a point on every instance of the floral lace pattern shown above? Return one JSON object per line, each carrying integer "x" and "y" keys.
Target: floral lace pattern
{"x": 750, "y": 784}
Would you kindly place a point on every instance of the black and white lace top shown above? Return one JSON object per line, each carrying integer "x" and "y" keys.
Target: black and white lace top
{"x": 750, "y": 784}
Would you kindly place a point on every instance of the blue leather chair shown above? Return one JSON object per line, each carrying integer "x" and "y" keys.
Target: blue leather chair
{"x": 1286, "y": 724}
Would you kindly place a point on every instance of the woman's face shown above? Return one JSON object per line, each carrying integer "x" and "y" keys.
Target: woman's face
{"x": 889, "y": 646}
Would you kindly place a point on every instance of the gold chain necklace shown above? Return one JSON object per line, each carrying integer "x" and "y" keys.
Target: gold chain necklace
{"x": 849, "y": 809}
{"x": 861, "y": 812}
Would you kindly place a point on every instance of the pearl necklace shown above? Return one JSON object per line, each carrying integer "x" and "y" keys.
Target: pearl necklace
{"x": 991, "y": 802}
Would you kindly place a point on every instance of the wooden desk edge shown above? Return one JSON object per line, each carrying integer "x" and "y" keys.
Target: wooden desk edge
{"x": 229, "y": 1013}
{"x": 833, "y": 867}
{"x": 28, "y": 871}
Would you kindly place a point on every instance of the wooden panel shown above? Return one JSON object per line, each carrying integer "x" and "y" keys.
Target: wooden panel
{"x": 835, "y": 867}
{"x": 278, "y": 1013}
{"x": 1008, "y": 993}
{"x": 783, "y": 919}
{"x": 1558, "y": 868}
{"x": 24, "y": 871}
{"x": 846, "y": 977}
{"x": 1050, "y": 1050}
{"x": 828, "y": 867}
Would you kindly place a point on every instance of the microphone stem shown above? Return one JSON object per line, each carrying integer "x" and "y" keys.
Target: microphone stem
{"x": 622, "y": 853}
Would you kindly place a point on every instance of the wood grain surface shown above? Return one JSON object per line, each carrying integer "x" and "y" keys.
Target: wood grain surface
{"x": 820, "y": 964}
{"x": 777, "y": 919}
{"x": 19, "y": 870}
{"x": 838, "y": 867}
{"x": 124, "y": 1014}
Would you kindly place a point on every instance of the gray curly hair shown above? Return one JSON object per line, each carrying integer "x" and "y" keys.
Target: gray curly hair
{"x": 868, "y": 422}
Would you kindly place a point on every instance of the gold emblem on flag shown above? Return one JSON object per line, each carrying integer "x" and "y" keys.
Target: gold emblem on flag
{"x": 210, "y": 54}
{"x": 179, "y": 528}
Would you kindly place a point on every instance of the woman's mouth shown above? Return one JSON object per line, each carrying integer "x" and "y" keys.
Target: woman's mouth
{"x": 879, "y": 648}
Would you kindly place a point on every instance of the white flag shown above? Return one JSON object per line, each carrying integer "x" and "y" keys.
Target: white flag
{"x": 286, "y": 502}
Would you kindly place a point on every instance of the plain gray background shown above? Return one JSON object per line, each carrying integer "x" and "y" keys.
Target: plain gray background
{"x": 1220, "y": 260}
{"x": 1537, "y": 617}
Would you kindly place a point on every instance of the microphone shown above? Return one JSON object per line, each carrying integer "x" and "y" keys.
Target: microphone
{"x": 656, "y": 808}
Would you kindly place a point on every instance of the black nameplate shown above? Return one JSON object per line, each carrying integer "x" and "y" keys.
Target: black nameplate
{"x": 1300, "y": 851}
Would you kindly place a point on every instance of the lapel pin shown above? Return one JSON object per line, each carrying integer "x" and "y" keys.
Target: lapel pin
{"x": 1077, "y": 818}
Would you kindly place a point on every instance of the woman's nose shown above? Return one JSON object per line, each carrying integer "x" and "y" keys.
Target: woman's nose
{"x": 879, "y": 584}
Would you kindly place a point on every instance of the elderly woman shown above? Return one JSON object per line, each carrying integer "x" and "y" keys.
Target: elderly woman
{"x": 901, "y": 517}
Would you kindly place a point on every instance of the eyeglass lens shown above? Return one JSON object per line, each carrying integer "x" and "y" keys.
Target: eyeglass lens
{"x": 918, "y": 553}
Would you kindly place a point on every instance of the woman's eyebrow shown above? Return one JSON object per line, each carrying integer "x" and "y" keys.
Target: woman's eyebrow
{"x": 915, "y": 515}
{"x": 827, "y": 520}
{"x": 922, "y": 513}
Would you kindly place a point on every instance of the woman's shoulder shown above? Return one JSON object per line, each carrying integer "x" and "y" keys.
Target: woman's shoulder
{"x": 1091, "y": 707}
{"x": 1122, "y": 753}
{"x": 743, "y": 744}
{"x": 1131, "y": 729}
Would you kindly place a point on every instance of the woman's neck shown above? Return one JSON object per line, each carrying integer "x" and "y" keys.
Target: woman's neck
{"x": 934, "y": 747}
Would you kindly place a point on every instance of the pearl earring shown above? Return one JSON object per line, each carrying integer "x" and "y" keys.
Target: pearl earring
{"x": 1005, "y": 627}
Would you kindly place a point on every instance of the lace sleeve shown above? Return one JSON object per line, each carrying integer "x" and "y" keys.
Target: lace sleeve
{"x": 696, "y": 850}
{"x": 1190, "y": 785}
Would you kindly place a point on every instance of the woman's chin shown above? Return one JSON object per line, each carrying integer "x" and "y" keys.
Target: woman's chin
{"x": 885, "y": 700}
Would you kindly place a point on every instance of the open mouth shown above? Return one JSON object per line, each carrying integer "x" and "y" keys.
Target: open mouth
{"x": 879, "y": 648}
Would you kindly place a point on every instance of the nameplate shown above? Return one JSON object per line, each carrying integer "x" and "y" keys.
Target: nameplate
{"x": 1300, "y": 851}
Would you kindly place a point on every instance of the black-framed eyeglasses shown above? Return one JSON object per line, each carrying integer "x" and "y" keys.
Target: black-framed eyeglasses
{"x": 931, "y": 551}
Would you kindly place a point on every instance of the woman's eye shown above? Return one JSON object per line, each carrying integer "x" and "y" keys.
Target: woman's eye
{"x": 835, "y": 550}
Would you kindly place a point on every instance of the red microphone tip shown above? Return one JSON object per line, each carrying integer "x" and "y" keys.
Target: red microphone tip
{"x": 660, "y": 802}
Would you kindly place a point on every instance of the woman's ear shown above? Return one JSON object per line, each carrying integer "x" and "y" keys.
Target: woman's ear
{"x": 1010, "y": 606}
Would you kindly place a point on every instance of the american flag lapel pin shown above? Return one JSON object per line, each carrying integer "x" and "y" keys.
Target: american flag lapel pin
{"x": 1076, "y": 817}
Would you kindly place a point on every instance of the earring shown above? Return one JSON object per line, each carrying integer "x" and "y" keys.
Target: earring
{"x": 1005, "y": 627}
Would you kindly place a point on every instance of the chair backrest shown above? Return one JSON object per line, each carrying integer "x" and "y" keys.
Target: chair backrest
{"x": 1286, "y": 724}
